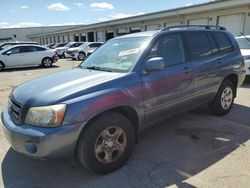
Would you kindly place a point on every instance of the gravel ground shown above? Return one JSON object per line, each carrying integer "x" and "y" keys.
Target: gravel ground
{"x": 192, "y": 149}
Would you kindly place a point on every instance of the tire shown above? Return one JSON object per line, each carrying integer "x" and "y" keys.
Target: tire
{"x": 105, "y": 158}
{"x": 1, "y": 66}
{"x": 63, "y": 55}
{"x": 81, "y": 56}
{"x": 47, "y": 62}
{"x": 224, "y": 99}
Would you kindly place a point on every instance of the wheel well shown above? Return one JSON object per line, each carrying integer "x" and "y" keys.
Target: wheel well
{"x": 127, "y": 111}
{"x": 2, "y": 63}
{"x": 234, "y": 79}
{"x": 82, "y": 52}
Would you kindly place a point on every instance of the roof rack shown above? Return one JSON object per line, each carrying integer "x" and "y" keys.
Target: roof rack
{"x": 193, "y": 27}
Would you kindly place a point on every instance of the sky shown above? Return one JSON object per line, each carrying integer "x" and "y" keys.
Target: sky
{"x": 28, "y": 13}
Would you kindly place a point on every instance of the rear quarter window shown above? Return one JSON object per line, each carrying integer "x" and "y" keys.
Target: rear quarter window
{"x": 223, "y": 42}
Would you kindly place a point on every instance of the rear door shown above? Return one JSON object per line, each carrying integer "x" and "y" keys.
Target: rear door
{"x": 169, "y": 90}
{"x": 206, "y": 60}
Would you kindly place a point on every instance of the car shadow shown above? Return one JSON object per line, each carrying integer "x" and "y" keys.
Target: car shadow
{"x": 28, "y": 68}
{"x": 167, "y": 154}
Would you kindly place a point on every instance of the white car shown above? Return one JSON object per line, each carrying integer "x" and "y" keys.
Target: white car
{"x": 244, "y": 44}
{"x": 61, "y": 50}
{"x": 27, "y": 55}
{"x": 83, "y": 51}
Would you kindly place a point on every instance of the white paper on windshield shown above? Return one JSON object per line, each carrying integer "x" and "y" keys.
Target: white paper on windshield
{"x": 129, "y": 52}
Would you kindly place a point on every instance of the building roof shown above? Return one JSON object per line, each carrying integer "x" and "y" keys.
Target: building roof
{"x": 196, "y": 8}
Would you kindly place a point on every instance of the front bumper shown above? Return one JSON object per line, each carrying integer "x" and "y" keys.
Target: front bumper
{"x": 55, "y": 58}
{"x": 74, "y": 55}
{"x": 67, "y": 55}
{"x": 247, "y": 67}
{"x": 41, "y": 142}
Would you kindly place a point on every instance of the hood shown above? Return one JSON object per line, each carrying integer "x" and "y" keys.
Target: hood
{"x": 60, "y": 87}
{"x": 245, "y": 52}
{"x": 72, "y": 49}
{"x": 62, "y": 48}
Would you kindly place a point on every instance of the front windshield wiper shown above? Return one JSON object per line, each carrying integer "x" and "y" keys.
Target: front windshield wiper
{"x": 98, "y": 68}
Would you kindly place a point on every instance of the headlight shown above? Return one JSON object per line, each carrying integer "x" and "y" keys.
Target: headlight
{"x": 46, "y": 116}
{"x": 247, "y": 57}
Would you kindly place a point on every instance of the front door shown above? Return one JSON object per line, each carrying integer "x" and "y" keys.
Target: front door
{"x": 169, "y": 90}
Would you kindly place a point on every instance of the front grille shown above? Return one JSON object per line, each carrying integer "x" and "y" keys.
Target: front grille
{"x": 15, "y": 109}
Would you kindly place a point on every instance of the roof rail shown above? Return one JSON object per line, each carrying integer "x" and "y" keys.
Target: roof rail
{"x": 193, "y": 27}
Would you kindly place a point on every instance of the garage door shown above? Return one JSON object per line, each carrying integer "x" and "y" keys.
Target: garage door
{"x": 100, "y": 36}
{"x": 203, "y": 21}
{"x": 172, "y": 24}
{"x": 234, "y": 23}
{"x": 152, "y": 27}
{"x": 122, "y": 31}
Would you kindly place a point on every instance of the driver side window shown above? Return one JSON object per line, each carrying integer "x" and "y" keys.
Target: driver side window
{"x": 15, "y": 50}
{"x": 170, "y": 48}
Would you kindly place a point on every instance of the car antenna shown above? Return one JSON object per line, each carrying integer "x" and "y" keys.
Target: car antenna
{"x": 245, "y": 36}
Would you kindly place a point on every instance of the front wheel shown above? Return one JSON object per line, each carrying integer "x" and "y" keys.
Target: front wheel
{"x": 1, "y": 66}
{"x": 47, "y": 62}
{"x": 81, "y": 56}
{"x": 224, "y": 99}
{"x": 106, "y": 144}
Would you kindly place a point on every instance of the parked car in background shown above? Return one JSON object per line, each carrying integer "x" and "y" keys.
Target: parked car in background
{"x": 50, "y": 45}
{"x": 61, "y": 50}
{"x": 26, "y": 55}
{"x": 96, "y": 111}
{"x": 9, "y": 44}
{"x": 244, "y": 44}
{"x": 58, "y": 45}
{"x": 83, "y": 51}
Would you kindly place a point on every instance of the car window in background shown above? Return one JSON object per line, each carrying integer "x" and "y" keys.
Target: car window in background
{"x": 15, "y": 50}
{"x": 223, "y": 42}
{"x": 198, "y": 43}
{"x": 60, "y": 45}
{"x": 243, "y": 43}
{"x": 170, "y": 48}
{"x": 95, "y": 45}
{"x": 75, "y": 45}
{"x": 117, "y": 55}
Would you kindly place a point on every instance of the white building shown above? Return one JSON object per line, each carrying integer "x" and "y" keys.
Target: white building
{"x": 21, "y": 34}
{"x": 232, "y": 14}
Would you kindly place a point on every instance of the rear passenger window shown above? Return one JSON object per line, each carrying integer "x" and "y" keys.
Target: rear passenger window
{"x": 199, "y": 45}
{"x": 223, "y": 42}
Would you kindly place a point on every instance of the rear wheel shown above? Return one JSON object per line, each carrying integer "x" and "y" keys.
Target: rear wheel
{"x": 107, "y": 143}
{"x": 224, "y": 99}
{"x": 81, "y": 56}
{"x": 47, "y": 62}
{"x": 1, "y": 66}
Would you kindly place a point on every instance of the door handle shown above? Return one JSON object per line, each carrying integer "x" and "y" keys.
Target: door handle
{"x": 186, "y": 70}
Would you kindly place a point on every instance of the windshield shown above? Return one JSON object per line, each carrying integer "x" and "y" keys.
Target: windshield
{"x": 117, "y": 55}
{"x": 243, "y": 43}
{"x": 68, "y": 45}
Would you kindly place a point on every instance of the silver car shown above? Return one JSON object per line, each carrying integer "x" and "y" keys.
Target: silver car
{"x": 27, "y": 55}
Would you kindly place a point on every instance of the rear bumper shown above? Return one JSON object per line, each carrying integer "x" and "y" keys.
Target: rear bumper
{"x": 38, "y": 142}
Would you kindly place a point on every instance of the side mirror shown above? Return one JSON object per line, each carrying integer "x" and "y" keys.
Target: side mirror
{"x": 8, "y": 53}
{"x": 154, "y": 64}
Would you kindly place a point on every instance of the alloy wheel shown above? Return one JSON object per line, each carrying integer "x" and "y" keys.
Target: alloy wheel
{"x": 110, "y": 144}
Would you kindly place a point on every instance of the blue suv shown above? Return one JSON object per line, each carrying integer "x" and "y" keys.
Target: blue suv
{"x": 96, "y": 111}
